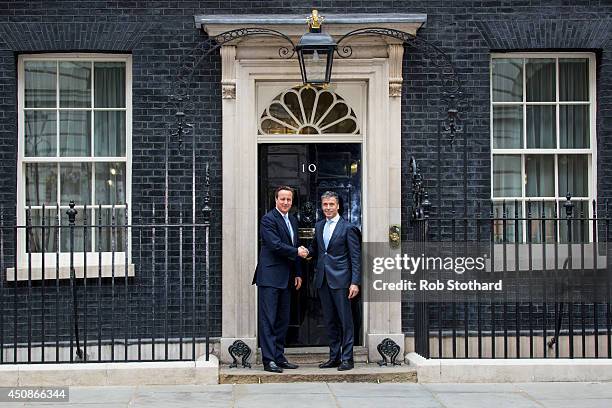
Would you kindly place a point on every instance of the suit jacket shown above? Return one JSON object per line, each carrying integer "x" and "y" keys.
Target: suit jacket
{"x": 278, "y": 257}
{"x": 341, "y": 261}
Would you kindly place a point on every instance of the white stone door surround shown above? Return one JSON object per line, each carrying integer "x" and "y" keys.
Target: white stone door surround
{"x": 377, "y": 62}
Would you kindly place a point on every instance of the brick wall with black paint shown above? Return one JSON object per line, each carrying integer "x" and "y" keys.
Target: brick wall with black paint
{"x": 157, "y": 34}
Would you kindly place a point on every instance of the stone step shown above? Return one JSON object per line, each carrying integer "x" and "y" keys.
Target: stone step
{"x": 362, "y": 372}
{"x": 316, "y": 355}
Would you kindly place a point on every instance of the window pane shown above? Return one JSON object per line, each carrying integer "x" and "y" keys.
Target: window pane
{"x": 339, "y": 110}
{"x": 278, "y": 111}
{"x": 505, "y": 228}
{"x": 75, "y": 84}
{"x": 40, "y": 133}
{"x": 109, "y": 85}
{"x": 292, "y": 102}
{"x": 540, "y": 73}
{"x": 575, "y": 123}
{"x": 40, "y": 82}
{"x": 109, "y": 134}
{"x": 110, "y": 183}
{"x": 36, "y": 237}
{"x": 41, "y": 183}
{"x": 540, "y": 171}
{"x": 78, "y": 233}
{"x": 75, "y": 133}
{"x": 574, "y": 175}
{"x": 544, "y": 227}
{"x": 345, "y": 126}
{"x": 271, "y": 127}
{"x": 75, "y": 183}
{"x": 507, "y": 127}
{"x": 507, "y": 80}
{"x": 573, "y": 79}
{"x": 541, "y": 127}
{"x": 506, "y": 176}
{"x": 308, "y": 96}
{"x": 111, "y": 233}
{"x": 577, "y": 226}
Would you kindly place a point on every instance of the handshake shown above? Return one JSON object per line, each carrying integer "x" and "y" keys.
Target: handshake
{"x": 303, "y": 252}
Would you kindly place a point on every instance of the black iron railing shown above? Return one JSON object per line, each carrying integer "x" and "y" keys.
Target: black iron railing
{"x": 523, "y": 241}
{"x": 105, "y": 284}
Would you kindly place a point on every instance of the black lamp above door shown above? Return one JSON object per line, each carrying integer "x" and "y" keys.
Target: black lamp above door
{"x": 316, "y": 52}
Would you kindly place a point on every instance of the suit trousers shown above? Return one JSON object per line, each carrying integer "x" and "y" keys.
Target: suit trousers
{"x": 273, "y": 321}
{"x": 338, "y": 321}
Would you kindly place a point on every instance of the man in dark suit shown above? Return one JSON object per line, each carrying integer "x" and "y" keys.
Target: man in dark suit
{"x": 336, "y": 249}
{"x": 279, "y": 259}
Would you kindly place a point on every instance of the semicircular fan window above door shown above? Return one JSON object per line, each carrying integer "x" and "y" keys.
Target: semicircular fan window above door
{"x": 308, "y": 110}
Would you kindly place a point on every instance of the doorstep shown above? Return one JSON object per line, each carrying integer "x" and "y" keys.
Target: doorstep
{"x": 362, "y": 372}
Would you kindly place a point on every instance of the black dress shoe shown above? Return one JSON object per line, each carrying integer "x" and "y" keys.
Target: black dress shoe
{"x": 272, "y": 367}
{"x": 287, "y": 365}
{"x": 330, "y": 364}
{"x": 346, "y": 365}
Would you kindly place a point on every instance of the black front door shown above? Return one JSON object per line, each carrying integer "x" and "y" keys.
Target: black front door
{"x": 312, "y": 169}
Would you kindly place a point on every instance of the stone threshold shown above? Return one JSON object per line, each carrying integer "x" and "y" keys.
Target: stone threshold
{"x": 316, "y": 355}
{"x": 510, "y": 370}
{"x": 371, "y": 373}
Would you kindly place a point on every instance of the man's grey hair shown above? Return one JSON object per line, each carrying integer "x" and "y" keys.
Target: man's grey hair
{"x": 330, "y": 194}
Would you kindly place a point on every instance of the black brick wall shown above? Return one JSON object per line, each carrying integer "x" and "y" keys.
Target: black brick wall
{"x": 157, "y": 33}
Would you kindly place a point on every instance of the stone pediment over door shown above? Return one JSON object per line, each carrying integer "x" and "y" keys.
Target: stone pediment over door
{"x": 364, "y": 46}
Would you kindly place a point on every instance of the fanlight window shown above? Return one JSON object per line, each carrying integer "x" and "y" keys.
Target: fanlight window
{"x": 308, "y": 110}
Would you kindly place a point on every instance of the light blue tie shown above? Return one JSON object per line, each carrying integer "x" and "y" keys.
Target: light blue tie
{"x": 286, "y": 217}
{"x": 327, "y": 232}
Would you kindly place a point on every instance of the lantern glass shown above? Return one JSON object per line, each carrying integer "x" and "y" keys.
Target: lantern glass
{"x": 315, "y": 52}
{"x": 315, "y": 66}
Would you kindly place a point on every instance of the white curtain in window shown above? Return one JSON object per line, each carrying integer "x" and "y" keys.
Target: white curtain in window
{"x": 540, "y": 171}
{"x": 573, "y": 175}
{"x": 541, "y": 127}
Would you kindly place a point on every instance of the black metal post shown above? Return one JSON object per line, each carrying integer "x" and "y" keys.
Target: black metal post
{"x": 206, "y": 210}
{"x": 72, "y": 213}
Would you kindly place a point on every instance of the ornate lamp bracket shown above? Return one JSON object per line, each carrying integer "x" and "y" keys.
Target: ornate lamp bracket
{"x": 451, "y": 93}
{"x": 181, "y": 87}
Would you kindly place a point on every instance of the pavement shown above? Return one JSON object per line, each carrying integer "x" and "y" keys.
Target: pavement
{"x": 349, "y": 395}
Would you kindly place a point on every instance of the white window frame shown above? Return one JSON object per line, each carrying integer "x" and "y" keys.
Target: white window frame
{"x": 591, "y": 151}
{"x": 30, "y": 266}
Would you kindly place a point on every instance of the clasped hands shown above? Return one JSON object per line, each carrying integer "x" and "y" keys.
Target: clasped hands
{"x": 303, "y": 252}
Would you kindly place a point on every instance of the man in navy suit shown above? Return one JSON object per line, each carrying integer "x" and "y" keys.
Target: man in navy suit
{"x": 279, "y": 258}
{"x": 336, "y": 249}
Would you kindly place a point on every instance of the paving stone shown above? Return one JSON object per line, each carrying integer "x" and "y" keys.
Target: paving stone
{"x": 182, "y": 399}
{"x": 280, "y": 400}
{"x": 98, "y": 394}
{"x": 567, "y": 391}
{"x": 220, "y": 388}
{"x": 280, "y": 389}
{"x": 464, "y": 388}
{"x": 379, "y": 390}
{"x": 388, "y": 402}
{"x": 584, "y": 403}
{"x": 486, "y": 400}
{"x": 79, "y": 405}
